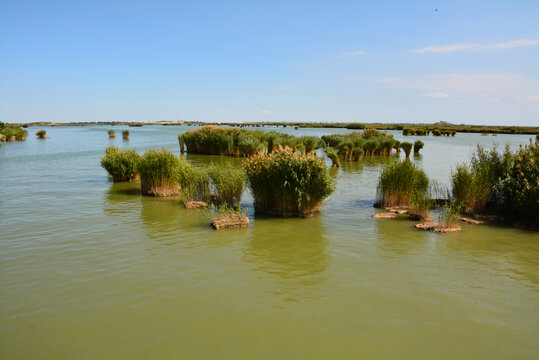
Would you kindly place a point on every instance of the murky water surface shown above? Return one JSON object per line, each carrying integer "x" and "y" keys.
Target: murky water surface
{"x": 91, "y": 270}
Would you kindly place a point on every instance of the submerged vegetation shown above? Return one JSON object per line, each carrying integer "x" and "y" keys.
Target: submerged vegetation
{"x": 288, "y": 183}
{"x": 122, "y": 165}
{"x": 400, "y": 183}
{"x": 159, "y": 173}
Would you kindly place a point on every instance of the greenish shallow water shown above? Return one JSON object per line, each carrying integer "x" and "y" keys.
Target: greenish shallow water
{"x": 92, "y": 270}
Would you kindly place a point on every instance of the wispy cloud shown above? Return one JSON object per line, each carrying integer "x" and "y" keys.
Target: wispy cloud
{"x": 265, "y": 112}
{"x": 532, "y": 98}
{"x": 488, "y": 85}
{"x": 351, "y": 53}
{"x": 445, "y": 48}
{"x": 512, "y": 44}
{"x": 494, "y": 100}
{"x": 436, "y": 95}
{"x": 468, "y": 46}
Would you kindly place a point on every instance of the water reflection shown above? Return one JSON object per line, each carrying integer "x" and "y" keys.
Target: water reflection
{"x": 292, "y": 250}
{"x": 396, "y": 236}
{"x": 504, "y": 248}
{"x": 122, "y": 198}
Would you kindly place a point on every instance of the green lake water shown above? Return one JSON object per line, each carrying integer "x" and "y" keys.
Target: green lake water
{"x": 92, "y": 270}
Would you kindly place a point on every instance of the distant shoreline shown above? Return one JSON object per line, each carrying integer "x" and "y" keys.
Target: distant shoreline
{"x": 463, "y": 128}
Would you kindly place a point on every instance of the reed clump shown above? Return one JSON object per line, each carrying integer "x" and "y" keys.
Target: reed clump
{"x": 122, "y": 165}
{"x": 350, "y": 147}
{"x": 14, "y": 133}
{"x": 407, "y": 147}
{"x": 521, "y": 187}
{"x": 399, "y": 183}
{"x": 159, "y": 173}
{"x": 112, "y": 134}
{"x": 418, "y": 145}
{"x": 41, "y": 134}
{"x": 125, "y": 134}
{"x": 194, "y": 183}
{"x": 478, "y": 184}
{"x": 227, "y": 184}
{"x": 288, "y": 183}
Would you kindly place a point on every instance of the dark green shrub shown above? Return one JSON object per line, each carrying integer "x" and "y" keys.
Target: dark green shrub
{"x": 399, "y": 182}
{"x": 159, "y": 173}
{"x": 122, "y": 165}
{"x": 288, "y": 183}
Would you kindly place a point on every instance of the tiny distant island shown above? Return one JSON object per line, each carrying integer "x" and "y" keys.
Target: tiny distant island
{"x": 437, "y": 126}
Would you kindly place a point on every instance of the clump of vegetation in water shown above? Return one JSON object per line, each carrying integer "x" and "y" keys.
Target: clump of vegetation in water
{"x": 350, "y": 147}
{"x": 418, "y": 145}
{"x": 450, "y": 214}
{"x": 41, "y": 134}
{"x": 112, "y": 134}
{"x": 399, "y": 183}
{"x": 227, "y": 182}
{"x": 521, "y": 187}
{"x": 330, "y": 153}
{"x": 122, "y": 165}
{"x": 288, "y": 183}
{"x": 125, "y": 134}
{"x": 407, "y": 147}
{"x": 194, "y": 183}
{"x": 14, "y": 133}
{"x": 159, "y": 173}
{"x": 216, "y": 140}
{"x": 476, "y": 185}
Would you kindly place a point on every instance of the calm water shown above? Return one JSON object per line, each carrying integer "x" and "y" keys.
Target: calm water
{"x": 91, "y": 270}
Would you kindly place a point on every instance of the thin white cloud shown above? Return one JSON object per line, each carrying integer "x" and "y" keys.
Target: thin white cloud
{"x": 445, "y": 48}
{"x": 436, "y": 95}
{"x": 512, "y": 44}
{"x": 487, "y": 85}
{"x": 532, "y": 98}
{"x": 351, "y": 53}
{"x": 494, "y": 100}
{"x": 265, "y": 112}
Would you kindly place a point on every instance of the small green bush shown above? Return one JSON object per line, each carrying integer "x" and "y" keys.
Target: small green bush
{"x": 122, "y": 165}
{"x": 159, "y": 173}
{"x": 112, "y": 134}
{"x": 399, "y": 183}
{"x": 41, "y": 134}
{"x": 288, "y": 183}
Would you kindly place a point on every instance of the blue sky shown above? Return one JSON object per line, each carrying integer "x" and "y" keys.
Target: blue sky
{"x": 473, "y": 62}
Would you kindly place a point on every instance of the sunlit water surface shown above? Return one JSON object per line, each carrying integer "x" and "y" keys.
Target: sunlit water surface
{"x": 91, "y": 270}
